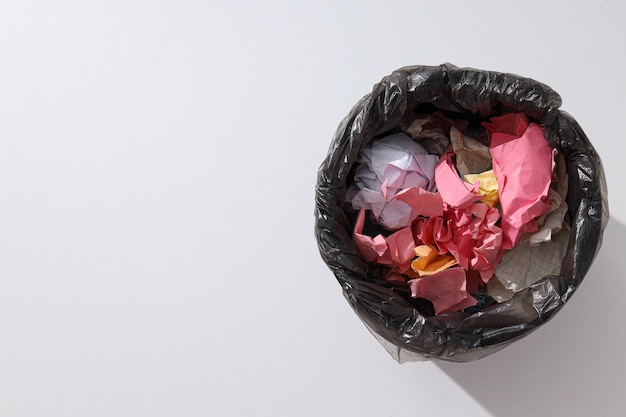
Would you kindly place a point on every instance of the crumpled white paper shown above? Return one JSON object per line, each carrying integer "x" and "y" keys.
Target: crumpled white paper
{"x": 388, "y": 166}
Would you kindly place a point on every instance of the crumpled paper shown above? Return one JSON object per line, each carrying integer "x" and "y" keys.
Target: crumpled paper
{"x": 487, "y": 186}
{"x": 395, "y": 250}
{"x": 522, "y": 164}
{"x": 446, "y": 290}
{"x": 472, "y": 156}
{"x": 526, "y": 264}
{"x": 429, "y": 261}
{"x": 454, "y": 191}
{"x": 390, "y": 165}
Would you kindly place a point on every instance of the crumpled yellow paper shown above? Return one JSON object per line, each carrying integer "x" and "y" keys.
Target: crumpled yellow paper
{"x": 488, "y": 186}
{"x": 429, "y": 261}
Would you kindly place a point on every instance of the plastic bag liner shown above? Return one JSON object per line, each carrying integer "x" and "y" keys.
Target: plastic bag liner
{"x": 386, "y": 308}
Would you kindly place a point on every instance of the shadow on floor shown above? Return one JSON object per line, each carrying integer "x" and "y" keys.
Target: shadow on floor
{"x": 573, "y": 365}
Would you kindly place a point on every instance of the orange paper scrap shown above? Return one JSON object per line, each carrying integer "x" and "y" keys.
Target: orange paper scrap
{"x": 429, "y": 261}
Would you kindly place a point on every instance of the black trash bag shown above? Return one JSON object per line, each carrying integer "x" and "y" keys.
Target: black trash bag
{"x": 386, "y": 308}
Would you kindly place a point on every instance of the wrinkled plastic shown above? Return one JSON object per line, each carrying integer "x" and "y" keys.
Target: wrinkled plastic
{"x": 386, "y": 307}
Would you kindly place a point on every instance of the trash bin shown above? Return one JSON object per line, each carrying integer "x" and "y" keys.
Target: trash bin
{"x": 407, "y": 326}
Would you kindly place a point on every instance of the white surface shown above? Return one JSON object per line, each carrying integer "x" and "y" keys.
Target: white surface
{"x": 157, "y": 167}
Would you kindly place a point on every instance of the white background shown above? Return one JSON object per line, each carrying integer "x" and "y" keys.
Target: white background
{"x": 157, "y": 169}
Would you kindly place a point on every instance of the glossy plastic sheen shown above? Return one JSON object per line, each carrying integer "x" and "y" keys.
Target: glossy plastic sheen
{"x": 386, "y": 307}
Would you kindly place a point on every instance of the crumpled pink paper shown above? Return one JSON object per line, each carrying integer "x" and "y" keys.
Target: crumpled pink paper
{"x": 470, "y": 234}
{"x": 454, "y": 191}
{"x": 422, "y": 202}
{"x": 522, "y": 164}
{"x": 445, "y": 289}
{"x": 396, "y": 250}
